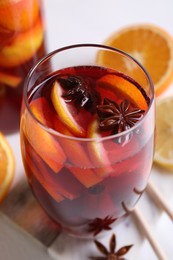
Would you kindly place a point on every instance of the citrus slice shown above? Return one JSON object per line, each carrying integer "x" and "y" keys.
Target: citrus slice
{"x": 43, "y": 142}
{"x": 66, "y": 112}
{"x": 22, "y": 47}
{"x": 164, "y": 133}
{"x": 74, "y": 149}
{"x": 18, "y": 15}
{"x": 150, "y": 45}
{"x": 6, "y": 36}
{"x": 10, "y": 80}
{"x": 97, "y": 151}
{"x": 7, "y": 166}
{"x": 124, "y": 87}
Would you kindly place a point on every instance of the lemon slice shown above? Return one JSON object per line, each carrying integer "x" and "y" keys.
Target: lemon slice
{"x": 7, "y": 166}
{"x": 164, "y": 133}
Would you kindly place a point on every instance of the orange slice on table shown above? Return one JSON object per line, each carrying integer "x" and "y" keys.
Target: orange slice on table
{"x": 18, "y": 15}
{"x": 164, "y": 133}
{"x": 66, "y": 112}
{"x": 7, "y": 166}
{"x": 150, "y": 45}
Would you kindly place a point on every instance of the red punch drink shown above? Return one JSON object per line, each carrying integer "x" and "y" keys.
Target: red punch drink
{"x": 86, "y": 145}
{"x": 21, "y": 46}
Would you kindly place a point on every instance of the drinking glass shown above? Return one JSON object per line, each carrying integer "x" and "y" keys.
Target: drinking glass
{"x": 87, "y": 135}
{"x": 22, "y": 45}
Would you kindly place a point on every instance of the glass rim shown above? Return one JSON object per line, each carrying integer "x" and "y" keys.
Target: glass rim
{"x": 86, "y": 139}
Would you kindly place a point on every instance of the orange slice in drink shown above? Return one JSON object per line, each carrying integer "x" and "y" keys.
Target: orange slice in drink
{"x": 77, "y": 154}
{"x": 22, "y": 47}
{"x": 66, "y": 112}
{"x": 125, "y": 87}
{"x": 10, "y": 80}
{"x": 43, "y": 142}
{"x": 97, "y": 151}
{"x": 39, "y": 171}
{"x": 7, "y": 166}
{"x": 150, "y": 45}
{"x": 18, "y": 15}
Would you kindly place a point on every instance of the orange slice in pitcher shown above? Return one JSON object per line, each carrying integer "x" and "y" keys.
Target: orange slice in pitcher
{"x": 10, "y": 80}
{"x": 43, "y": 142}
{"x": 125, "y": 87}
{"x": 22, "y": 47}
{"x": 6, "y": 36}
{"x": 7, "y": 166}
{"x": 18, "y": 15}
{"x": 66, "y": 112}
{"x": 151, "y": 45}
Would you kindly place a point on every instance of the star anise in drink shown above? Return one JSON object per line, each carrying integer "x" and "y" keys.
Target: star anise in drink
{"x": 112, "y": 254}
{"x": 80, "y": 91}
{"x": 99, "y": 224}
{"x": 117, "y": 117}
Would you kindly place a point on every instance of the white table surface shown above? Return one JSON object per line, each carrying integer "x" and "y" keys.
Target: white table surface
{"x": 79, "y": 21}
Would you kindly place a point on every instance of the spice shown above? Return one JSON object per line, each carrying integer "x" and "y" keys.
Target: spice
{"x": 117, "y": 117}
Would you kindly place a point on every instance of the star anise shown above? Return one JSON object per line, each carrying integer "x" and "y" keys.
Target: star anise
{"x": 98, "y": 225}
{"x": 112, "y": 255}
{"x": 80, "y": 91}
{"x": 117, "y": 117}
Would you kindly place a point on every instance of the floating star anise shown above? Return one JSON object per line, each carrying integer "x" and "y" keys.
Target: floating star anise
{"x": 99, "y": 224}
{"x": 80, "y": 91}
{"x": 117, "y": 117}
{"x": 112, "y": 255}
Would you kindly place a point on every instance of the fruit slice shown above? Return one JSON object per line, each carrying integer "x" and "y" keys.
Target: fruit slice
{"x": 6, "y": 36}
{"x": 124, "y": 87}
{"x": 150, "y": 45}
{"x": 10, "y": 80}
{"x": 97, "y": 151}
{"x": 18, "y": 15}
{"x": 164, "y": 137}
{"x": 43, "y": 142}
{"x": 7, "y": 166}
{"x": 22, "y": 47}
{"x": 81, "y": 165}
{"x": 66, "y": 112}
{"x": 39, "y": 174}
{"x": 55, "y": 184}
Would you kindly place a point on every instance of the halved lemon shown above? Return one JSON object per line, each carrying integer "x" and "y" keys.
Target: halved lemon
{"x": 151, "y": 45}
{"x": 164, "y": 133}
{"x": 7, "y": 166}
